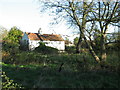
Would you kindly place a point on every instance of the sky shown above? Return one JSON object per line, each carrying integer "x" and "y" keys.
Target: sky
{"x": 25, "y": 14}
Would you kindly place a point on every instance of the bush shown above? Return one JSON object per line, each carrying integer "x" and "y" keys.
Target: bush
{"x": 112, "y": 47}
{"x": 70, "y": 49}
{"x": 29, "y": 58}
{"x": 7, "y": 83}
{"x": 10, "y": 46}
{"x": 24, "y": 45}
{"x": 6, "y": 56}
{"x": 42, "y": 48}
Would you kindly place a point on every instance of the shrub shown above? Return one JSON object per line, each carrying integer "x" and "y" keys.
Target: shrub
{"x": 5, "y": 56}
{"x": 7, "y": 83}
{"x": 112, "y": 47}
{"x": 10, "y": 46}
{"x": 70, "y": 49}
{"x": 42, "y": 48}
{"x": 24, "y": 45}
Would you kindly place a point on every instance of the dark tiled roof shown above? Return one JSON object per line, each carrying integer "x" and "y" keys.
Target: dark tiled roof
{"x": 45, "y": 37}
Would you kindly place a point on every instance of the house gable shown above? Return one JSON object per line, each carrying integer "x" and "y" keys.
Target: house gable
{"x": 25, "y": 36}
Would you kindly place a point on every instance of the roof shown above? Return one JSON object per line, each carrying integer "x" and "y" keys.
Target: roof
{"x": 44, "y": 37}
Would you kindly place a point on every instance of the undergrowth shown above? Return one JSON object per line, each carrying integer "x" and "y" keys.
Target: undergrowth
{"x": 35, "y": 70}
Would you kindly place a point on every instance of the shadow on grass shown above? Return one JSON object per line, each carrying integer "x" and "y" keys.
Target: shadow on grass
{"x": 46, "y": 77}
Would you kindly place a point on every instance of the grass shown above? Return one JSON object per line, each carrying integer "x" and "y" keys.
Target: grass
{"x": 49, "y": 78}
{"x": 33, "y": 70}
{"x": 45, "y": 77}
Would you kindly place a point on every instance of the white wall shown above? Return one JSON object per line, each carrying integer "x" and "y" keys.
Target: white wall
{"x": 60, "y": 45}
{"x": 33, "y": 44}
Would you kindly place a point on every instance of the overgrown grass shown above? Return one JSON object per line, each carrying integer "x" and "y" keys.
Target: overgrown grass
{"x": 46, "y": 77}
{"x": 34, "y": 70}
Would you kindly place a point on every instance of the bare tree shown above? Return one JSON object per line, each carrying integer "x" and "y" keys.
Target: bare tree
{"x": 75, "y": 13}
{"x": 106, "y": 14}
{"x": 78, "y": 14}
{"x": 70, "y": 10}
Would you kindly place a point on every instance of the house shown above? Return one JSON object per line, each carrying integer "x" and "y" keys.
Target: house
{"x": 52, "y": 40}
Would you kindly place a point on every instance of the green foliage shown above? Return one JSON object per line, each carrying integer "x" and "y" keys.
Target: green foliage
{"x": 6, "y": 57}
{"x": 30, "y": 57}
{"x": 24, "y": 45}
{"x": 10, "y": 46}
{"x": 14, "y": 35}
{"x": 42, "y": 48}
{"x": 3, "y": 32}
{"x": 70, "y": 49}
{"x": 42, "y": 43}
{"x": 113, "y": 42}
{"x": 36, "y": 70}
{"x": 37, "y": 76}
{"x": 7, "y": 83}
{"x": 76, "y": 41}
{"x": 77, "y": 62}
{"x": 112, "y": 47}
{"x": 11, "y": 41}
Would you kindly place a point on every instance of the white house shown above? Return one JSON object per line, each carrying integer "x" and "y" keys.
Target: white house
{"x": 52, "y": 40}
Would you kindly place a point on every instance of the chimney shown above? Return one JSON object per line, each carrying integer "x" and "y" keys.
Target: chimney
{"x": 39, "y": 31}
{"x": 39, "y": 34}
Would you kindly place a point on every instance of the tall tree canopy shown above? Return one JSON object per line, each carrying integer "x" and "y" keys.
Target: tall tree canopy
{"x": 14, "y": 35}
{"x": 11, "y": 41}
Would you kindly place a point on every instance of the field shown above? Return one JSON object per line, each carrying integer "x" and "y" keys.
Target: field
{"x": 34, "y": 70}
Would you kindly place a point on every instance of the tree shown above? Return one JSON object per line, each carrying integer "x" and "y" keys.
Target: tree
{"x": 79, "y": 14}
{"x": 106, "y": 14}
{"x": 14, "y": 35}
{"x": 11, "y": 41}
{"x": 76, "y": 41}
{"x": 75, "y": 13}
{"x": 3, "y": 32}
{"x": 113, "y": 41}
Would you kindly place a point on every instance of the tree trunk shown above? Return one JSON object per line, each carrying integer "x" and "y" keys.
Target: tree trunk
{"x": 103, "y": 48}
{"x": 78, "y": 46}
{"x": 82, "y": 29}
{"x": 92, "y": 51}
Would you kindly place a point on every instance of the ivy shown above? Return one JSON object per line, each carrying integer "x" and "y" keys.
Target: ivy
{"x": 7, "y": 83}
